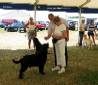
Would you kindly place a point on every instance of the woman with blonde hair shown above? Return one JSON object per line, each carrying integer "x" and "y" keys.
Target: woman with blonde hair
{"x": 31, "y": 31}
{"x": 59, "y": 36}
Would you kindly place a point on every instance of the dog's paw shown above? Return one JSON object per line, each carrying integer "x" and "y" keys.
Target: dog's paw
{"x": 42, "y": 73}
{"x": 20, "y": 77}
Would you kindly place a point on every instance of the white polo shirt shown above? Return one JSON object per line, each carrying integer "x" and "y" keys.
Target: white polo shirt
{"x": 59, "y": 29}
{"x": 51, "y": 25}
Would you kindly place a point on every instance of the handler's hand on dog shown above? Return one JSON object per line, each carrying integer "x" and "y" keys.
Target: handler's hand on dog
{"x": 56, "y": 36}
{"x": 46, "y": 38}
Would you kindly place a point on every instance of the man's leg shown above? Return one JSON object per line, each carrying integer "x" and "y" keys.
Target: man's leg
{"x": 81, "y": 37}
{"x": 66, "y": 54}
{"x": 54, "y": 54}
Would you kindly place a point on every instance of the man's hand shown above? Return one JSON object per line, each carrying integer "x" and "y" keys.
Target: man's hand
{"x": 46, "y": 38}
{"x": 56, "y": 37}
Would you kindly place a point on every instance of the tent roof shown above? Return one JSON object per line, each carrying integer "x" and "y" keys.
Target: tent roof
{"x": 62, "y": 2}
{"x": 76, "y": 3}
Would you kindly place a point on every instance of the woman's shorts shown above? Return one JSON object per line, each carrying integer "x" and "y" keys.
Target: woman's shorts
{"x": 90, "y": 33}
{"x": 31, "y": 35}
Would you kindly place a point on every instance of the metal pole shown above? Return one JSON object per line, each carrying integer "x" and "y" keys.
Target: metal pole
{"x": 79, "y": 18}
{"x": 80, "y": 11}
{"x": 35, "y": 8}
{"x": 80, "y": 7}
{"x": 34, "y": 13}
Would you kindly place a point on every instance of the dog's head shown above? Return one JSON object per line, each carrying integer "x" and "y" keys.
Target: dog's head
{"x": 45, "y": 47}
{"x": 85, "y": 36}
{"x": 37, "y": 43}
{"x": 43, "y": 51}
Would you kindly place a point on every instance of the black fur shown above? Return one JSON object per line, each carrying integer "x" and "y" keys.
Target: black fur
{"x": 38, "y": 59}
{"x": 37, "y": 44}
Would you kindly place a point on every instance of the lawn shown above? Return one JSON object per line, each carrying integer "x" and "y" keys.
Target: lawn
{"x": 82, "y": 68}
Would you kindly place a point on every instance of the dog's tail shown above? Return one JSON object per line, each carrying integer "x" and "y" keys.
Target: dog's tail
{"x": 16, "y": 62}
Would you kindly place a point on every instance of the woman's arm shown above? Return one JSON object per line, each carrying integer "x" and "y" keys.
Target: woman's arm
{"x": 26, "y": 25}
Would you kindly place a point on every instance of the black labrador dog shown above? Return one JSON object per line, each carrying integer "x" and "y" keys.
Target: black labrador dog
{"x": 37, "y": 44}
{"x": 38, "y": 59}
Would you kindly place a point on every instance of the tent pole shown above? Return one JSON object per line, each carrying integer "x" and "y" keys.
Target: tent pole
{"x": 35, "y": 8}
{"x": 80, "y": 10}
{"x": 35, "y": 13}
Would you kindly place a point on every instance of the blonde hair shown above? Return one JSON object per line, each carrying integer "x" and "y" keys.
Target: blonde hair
{"x": 56, "y": 19}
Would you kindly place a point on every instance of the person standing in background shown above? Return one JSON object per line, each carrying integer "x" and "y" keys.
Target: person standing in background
{"x": 91, "y": 31}
{"x": 81, "y": 32}
{"x": 31, "y": 31}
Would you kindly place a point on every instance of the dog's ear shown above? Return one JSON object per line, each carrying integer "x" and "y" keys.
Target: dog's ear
{"x": 46, "y": 45}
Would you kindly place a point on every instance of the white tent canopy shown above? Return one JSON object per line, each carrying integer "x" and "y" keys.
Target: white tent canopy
{"x": 20, "y": 15}
{"x": 76, "y": 3}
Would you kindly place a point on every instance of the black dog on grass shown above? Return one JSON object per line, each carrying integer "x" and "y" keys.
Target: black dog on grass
{"x": 38, "y": 59}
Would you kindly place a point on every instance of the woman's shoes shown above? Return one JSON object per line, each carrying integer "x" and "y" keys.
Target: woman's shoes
{"x": 62, "y": 70}
{"x": 56, "y": 68}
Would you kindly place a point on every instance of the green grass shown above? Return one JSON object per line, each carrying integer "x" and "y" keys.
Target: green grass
{"x": 82, "y": 69}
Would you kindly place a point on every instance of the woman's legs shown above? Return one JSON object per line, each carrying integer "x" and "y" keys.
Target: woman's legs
{"x": 92, "y": 35}
{"x": 57, "y": 67}
{"x": 93, "y": 39}
{"x": 29, "y": 43}
{"x": 60, "y": 52}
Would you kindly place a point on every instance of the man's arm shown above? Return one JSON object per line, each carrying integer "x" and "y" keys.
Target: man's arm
{"x": 67, "y": 31}
{"x": 48, "y": 36}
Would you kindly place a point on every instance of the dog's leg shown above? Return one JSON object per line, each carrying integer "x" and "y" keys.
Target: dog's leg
{"x": 91, "y": 45}
{"x": 22, "y": 70}
{"x": 21, "y": 74}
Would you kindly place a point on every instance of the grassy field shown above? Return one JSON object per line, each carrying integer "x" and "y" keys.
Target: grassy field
{"x": 82, "y": 69}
